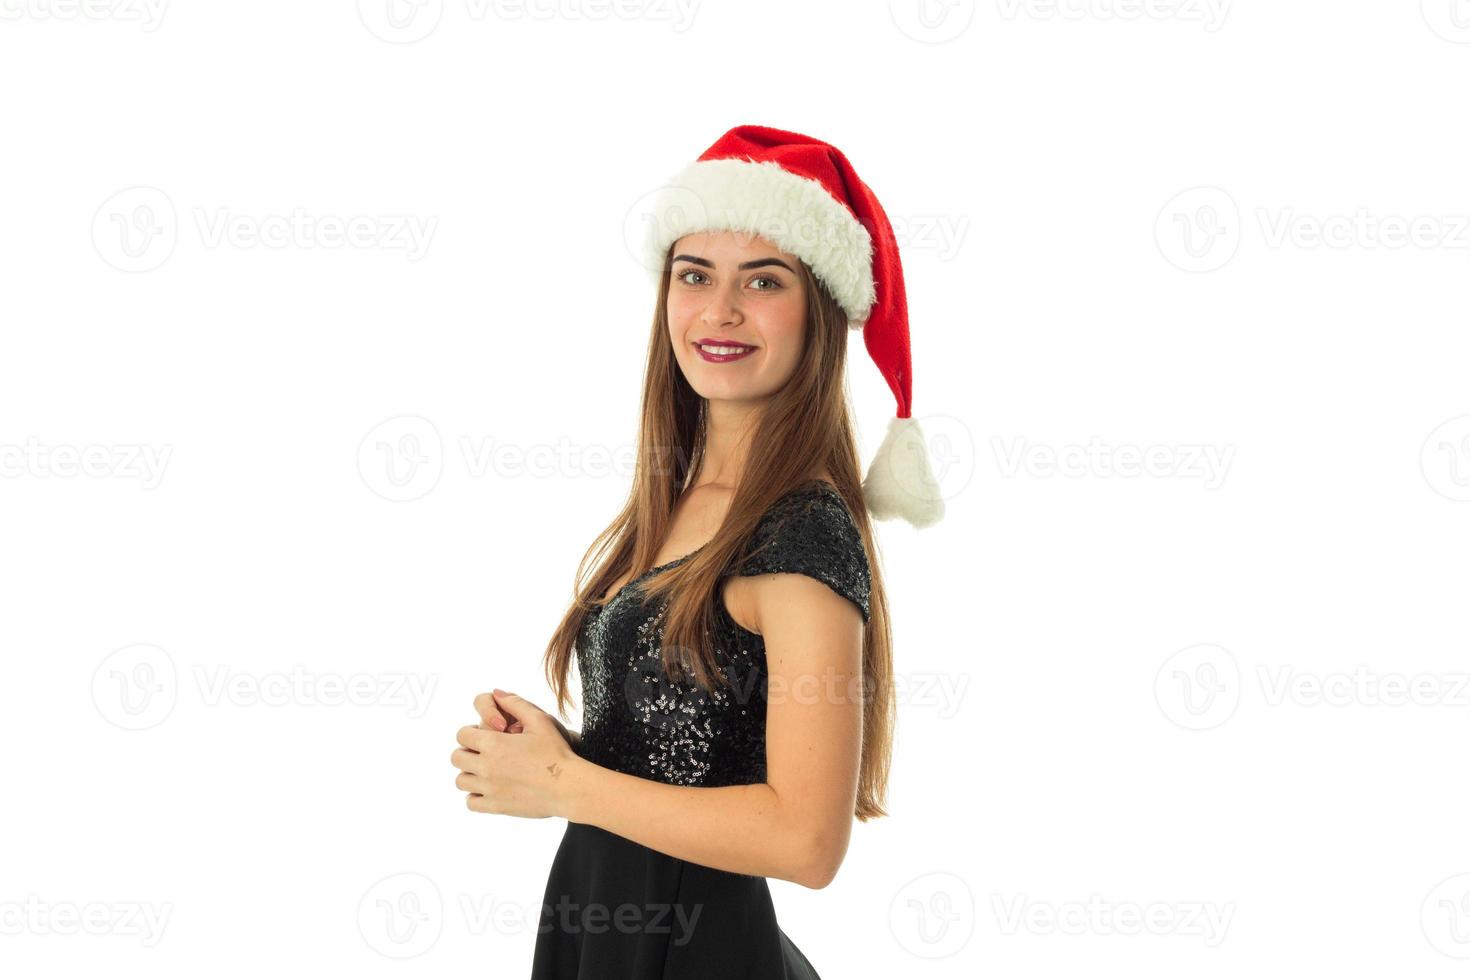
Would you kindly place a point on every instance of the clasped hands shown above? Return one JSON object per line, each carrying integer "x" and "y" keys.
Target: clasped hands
{"x": 517, "y": 762}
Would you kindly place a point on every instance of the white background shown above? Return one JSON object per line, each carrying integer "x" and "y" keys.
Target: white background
{"x": 1190, "y": 229}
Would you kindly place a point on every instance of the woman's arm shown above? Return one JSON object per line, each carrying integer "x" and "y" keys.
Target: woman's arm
{"x": 734, "y": 828}
{"x": 796, "y": 825}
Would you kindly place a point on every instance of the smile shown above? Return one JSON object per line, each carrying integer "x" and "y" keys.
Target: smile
{"x": 723, "y": 354}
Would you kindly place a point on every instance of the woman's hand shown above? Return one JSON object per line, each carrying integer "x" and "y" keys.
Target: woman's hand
{"x": 495, "y": 716}
{"x": 527, "y": 775}
{"x": 492, "y": 717}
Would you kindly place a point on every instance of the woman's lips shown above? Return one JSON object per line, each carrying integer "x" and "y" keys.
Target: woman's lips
{"x": 723, "y": 358}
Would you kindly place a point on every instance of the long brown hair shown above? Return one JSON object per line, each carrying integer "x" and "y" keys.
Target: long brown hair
{"x": 803, "y": 426}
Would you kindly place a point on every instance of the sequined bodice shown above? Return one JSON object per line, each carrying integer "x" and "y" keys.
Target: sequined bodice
{"x": 637, "y": 720}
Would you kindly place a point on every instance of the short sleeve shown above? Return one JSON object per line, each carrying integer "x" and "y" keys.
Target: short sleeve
{"x": 811, "y": 532}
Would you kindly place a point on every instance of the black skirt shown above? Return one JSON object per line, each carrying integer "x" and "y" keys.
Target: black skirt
{"x": 617, "y": 910}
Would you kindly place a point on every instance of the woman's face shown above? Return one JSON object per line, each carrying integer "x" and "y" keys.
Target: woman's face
{"x": 733, "y": 289}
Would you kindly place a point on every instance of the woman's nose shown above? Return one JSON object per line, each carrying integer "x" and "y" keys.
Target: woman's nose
{"x": 721, "y": 309}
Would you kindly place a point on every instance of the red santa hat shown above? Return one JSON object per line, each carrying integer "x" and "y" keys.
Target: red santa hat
{"x": 802, "y": 195}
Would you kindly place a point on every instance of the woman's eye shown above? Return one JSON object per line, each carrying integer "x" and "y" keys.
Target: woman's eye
{"x": 774, "y": 283}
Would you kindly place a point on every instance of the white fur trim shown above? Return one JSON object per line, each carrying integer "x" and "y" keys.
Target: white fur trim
{"x": 794, "y": 213}
{"x": 900, "y": 482}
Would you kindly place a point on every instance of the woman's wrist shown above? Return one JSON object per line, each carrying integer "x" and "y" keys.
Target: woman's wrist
{"x": 573, "y": 786}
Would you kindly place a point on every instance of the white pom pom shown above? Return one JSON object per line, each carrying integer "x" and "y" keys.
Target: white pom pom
{"x": 900, "y": 482}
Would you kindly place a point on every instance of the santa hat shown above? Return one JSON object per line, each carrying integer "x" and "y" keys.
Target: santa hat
{"x": 803, "y": 196}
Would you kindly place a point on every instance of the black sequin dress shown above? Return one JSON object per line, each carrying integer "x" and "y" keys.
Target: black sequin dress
{"x": 680, "y": 920}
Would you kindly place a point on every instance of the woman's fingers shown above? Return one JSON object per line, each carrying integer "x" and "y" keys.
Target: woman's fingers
{"x": 514, "y": 707}
{"x": 491, "y": 714}
{"x": 466, "y": 761}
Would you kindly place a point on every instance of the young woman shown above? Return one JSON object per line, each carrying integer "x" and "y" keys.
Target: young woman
{"x": 733, "y": 643}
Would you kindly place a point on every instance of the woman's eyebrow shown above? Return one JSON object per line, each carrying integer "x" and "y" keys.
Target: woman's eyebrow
{"x": 753, "y": 264}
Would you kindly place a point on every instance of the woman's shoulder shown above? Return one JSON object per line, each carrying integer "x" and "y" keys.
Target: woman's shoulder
{"x": 810, "y": 530}
{"x": 817, "y": 499}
